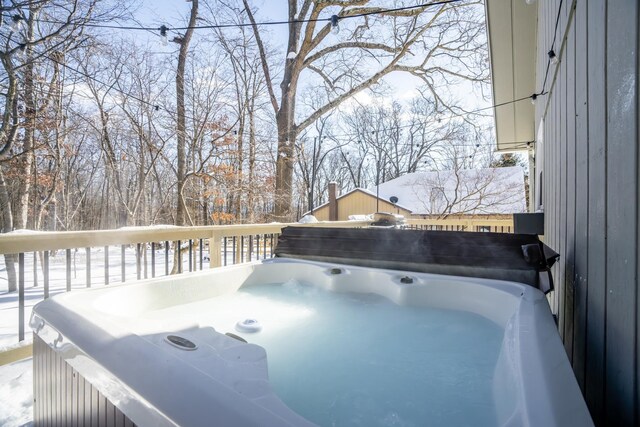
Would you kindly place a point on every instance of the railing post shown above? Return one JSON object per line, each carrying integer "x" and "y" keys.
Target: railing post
{"x": 45, "y": 278}
{"x": 21, "y": 296}
{"x": 123, "y": 272}
{"x": 264, "y": 246}
{"x": 233, "y": 249}
{"x": 106, "y": 265}
{"x": 68, "y": 260}
{"x": 88, "y": 267}
{"x": 214, "y": 250}
{"x": 138, "y": 261}
{"x": 153, "y": 259}
{"x": 166, "y": 258}
{"x": 35, "y": 269}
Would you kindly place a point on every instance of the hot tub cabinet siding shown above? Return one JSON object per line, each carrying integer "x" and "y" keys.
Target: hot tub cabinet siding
{"x": 62, "y": 397}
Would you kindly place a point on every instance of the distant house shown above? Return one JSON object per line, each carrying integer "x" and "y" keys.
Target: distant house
{"x": 491, "y": 192}
{"x": 358, "y": 201}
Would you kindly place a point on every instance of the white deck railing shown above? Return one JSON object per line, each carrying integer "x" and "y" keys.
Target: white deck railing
{"x": 48, "y": 261}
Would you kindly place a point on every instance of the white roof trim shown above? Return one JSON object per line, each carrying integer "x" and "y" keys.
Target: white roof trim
{"x": 511, "y": 28}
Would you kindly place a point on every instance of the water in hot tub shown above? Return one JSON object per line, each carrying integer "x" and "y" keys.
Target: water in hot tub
{"x": 350, "y": 359}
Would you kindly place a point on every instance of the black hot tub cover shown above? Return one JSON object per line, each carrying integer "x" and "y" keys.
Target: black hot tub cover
{"x": 502, "y": 256}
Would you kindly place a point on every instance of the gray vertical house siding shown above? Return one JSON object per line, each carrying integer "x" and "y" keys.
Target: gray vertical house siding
{"x": 588, "y": 139}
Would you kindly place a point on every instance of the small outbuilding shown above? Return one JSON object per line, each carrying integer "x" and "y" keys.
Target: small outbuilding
{"x": 358, "y": 201}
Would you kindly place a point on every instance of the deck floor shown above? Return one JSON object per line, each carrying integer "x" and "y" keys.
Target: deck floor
{"x": 16, "y": 394}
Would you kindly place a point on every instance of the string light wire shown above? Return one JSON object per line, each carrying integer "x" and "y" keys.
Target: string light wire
{"x": 164, "y": 28}
{"x": 157, "y": 107}
{"x": 553, "y": 44}
{"x": 248, "y": 24}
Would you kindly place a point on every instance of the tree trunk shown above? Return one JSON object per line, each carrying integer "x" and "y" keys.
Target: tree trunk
{"x": 21, "y": 212}
{"x": 181, "y": 212}
{"x": 252, "y": 163}
{"x": 140, "y": 207}
{"x": 284, "y": 167}
{"x": 240, "y": 170}
{"x": 7, "y": 225}
{"x": 285, "y": 121}
{"x": 181, "y": 136}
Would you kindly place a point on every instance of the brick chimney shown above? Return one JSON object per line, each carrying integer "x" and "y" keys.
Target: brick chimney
{"x": 333, "y": 202}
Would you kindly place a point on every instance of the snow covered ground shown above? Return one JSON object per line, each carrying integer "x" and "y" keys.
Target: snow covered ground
{"x": 16, "y": 395}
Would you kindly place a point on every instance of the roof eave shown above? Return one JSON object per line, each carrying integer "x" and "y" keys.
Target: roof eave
{"x": 511, "y": 33}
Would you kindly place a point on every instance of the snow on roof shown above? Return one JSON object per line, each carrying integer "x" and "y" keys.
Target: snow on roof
{"x": 466, "y": 191}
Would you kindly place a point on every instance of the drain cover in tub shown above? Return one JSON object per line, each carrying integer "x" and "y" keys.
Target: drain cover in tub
{"x": 180, "y": 342}
{"x": 248, "y": 325}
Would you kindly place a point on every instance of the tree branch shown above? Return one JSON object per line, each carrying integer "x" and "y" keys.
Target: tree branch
{"x": 348, "y": 45}
{"x": 263, "y": 57}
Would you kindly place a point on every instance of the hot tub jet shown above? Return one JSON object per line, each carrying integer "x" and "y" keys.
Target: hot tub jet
{"x": 248, "y": 325}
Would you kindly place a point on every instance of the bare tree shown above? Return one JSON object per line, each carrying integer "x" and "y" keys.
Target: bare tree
{"x": 183, "y": 41}
{"x": 360, "y": 60}
{"x": 27, "y": 48}
{"x": 312, "y": 154}
{"x": 210, "y": 129}
{"x": 385, "y": 141}
{"x": 125, "y": 126}
{"x": 249, "y": 84}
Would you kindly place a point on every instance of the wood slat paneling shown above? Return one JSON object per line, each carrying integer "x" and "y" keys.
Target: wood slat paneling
{"x": 596, "y": 251}
{"x": 62, "y": 397}
{"x": 591, "y": 164}
{"x": 637, "y": 219}
{"x": 570, "y": 212}
{"x": 622, "y": 205}
{"x": 561, "y": 209}
{"x": 582, "y": 194}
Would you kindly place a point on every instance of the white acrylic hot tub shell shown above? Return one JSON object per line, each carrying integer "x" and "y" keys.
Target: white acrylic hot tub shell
{"x": 100, "y": 334}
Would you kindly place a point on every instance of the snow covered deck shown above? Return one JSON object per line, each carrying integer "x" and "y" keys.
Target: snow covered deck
{"x": 16, "y": 393}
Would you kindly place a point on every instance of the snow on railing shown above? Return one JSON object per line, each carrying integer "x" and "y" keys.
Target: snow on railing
{"x": 77, "y": 259}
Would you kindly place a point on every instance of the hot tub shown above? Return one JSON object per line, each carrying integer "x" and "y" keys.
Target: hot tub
{"x": 326, "y": 344}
